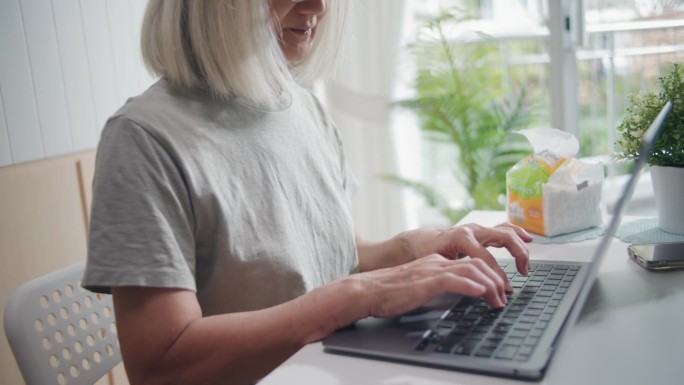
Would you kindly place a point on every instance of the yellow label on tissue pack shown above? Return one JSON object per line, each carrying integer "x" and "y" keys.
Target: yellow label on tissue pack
{"x": 525, "y": 186}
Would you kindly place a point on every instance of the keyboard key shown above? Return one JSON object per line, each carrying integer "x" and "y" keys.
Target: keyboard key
{"x": 490, "y": 344}
{"x": 510, "y": 268}
{"x": 518, "y": 333}
{"x": 487, "y": 321}
{"x": 502, "y": 327}
{"x": 514, "y": 341}
{"x": 514, "y": 307}
{"x": 454, "y": 315}
{"x": 465, "y": 324}
{"x": 465, "y": 348}
{"x": 428, "y": 337}
{"x": 526, "y": 349}
{"x": 485, "y": 351}
{"x": 521, "y": 301}
{"x": 478, "y": 310}
{"x": 544, "y": 267}
{"x": 477, "y": 335}
{"x": 523, "y": 326}
{"x": 507, "y": 352}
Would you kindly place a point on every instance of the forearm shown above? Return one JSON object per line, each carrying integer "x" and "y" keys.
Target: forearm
{"x": 241, "y": 348}
{"x": 377, "y": 255}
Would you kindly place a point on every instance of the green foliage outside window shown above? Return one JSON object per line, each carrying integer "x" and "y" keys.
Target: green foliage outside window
{"x": 463, "y": 102}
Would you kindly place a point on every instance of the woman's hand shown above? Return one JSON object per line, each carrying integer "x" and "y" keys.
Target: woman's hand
{"x": 397, "y": 290}
{"x": 470, "y": 240}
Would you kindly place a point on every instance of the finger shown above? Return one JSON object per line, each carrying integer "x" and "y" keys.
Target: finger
{"x": 522, "y": 233}
{"x": 497, "y": 275}
{"x": 505, "y": 236}
{"x": 474, "y": 249}
{"x": 482, "y": 274}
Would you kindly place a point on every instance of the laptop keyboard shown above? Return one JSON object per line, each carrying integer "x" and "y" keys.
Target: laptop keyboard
{"x": 473, "y": 328}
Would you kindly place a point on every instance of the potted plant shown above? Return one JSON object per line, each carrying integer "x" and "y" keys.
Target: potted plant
{"x": 461, "y": 101}
{"x": 667, "y": 156}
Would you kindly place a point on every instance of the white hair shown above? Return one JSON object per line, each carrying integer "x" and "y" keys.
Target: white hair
{"x": 230, "y": 47}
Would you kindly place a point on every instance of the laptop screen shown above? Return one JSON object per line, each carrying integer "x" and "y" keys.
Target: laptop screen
{"x": 645, "y": 148}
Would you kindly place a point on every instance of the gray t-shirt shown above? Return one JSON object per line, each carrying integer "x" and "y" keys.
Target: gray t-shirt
{"x": 248, "y": 207}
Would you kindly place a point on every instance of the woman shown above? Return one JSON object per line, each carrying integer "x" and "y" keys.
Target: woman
{"x": 220, "y": 219}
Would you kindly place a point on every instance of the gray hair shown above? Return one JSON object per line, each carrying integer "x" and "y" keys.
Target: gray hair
{"x": 230, "y": 47}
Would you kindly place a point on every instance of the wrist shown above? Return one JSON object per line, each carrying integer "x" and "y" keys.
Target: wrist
{"x": 342, "y": 302}
{"x": 414, "y": 244}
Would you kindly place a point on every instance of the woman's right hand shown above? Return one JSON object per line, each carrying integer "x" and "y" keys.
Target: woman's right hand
{"x": 397, "y": 290}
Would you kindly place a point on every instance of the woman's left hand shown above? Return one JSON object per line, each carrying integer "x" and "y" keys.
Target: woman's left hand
{"x": 470, "y": 240}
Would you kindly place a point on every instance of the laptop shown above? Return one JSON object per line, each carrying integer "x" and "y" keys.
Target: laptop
{"x": 465, "y": 334}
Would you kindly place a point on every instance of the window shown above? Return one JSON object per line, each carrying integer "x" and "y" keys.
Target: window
{"x": 577, "y": 60}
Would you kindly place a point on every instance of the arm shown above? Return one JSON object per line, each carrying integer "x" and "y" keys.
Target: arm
{"x": 165, "y": 339}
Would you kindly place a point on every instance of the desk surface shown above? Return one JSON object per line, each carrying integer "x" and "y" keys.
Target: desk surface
{"x": 631, "y": 331}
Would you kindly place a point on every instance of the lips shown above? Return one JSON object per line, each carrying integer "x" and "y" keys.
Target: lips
{"x": 298, "y": 35}
{"x": 301, "y": 31}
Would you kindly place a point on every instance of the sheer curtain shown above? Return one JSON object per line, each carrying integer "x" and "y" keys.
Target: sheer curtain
{"x": 358, "y": 100}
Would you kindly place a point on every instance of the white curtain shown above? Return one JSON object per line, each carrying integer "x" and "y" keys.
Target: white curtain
{"x": 358, "y": 100}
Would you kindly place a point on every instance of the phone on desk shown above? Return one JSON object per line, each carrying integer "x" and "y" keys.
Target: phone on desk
{"x": 661, "y": 256}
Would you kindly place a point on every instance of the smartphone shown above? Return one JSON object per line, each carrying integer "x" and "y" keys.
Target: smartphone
{"x": 662, "y": 256}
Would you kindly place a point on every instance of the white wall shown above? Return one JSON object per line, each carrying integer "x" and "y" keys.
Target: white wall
{"x": 65, "y": 67}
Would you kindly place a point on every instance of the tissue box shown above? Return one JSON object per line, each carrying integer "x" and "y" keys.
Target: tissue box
{"x": 550, "y": 192}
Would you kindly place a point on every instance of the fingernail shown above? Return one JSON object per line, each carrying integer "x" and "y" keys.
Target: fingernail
{"x": 509, "y": 287}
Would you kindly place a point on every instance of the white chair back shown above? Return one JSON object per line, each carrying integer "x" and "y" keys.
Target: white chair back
{"x": 59, "y": 332}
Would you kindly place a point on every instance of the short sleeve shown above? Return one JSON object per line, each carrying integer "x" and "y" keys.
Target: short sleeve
{"x": 141, "y": 223}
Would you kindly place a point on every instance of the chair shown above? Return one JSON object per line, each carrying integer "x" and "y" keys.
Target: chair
{"x": 59, "y": 332}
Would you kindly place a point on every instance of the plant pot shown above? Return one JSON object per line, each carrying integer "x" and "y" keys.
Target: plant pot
{"x": 668, "y": 189}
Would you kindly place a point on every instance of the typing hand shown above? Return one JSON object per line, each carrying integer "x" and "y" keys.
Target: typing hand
{"x": 472, "y": 240}
{"x": 397, "y": 290}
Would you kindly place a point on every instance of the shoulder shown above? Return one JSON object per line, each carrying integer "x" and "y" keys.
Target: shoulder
{"x": 160, "y": 105}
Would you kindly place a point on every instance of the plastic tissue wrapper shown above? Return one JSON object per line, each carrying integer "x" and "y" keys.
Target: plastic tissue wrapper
{"x": 550, "y": 192}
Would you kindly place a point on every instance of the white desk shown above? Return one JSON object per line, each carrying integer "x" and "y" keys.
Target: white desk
{"x": 631, "y": 332}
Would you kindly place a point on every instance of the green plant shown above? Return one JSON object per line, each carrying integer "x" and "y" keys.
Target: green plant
{"x": 668, "y": 150}
{"x": 461, "y": 100}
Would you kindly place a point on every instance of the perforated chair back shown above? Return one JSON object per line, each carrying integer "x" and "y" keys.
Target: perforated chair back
{"x": 59, "y": 332}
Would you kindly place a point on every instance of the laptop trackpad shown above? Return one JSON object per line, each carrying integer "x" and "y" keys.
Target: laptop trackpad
{"x": 388, "y": 332}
